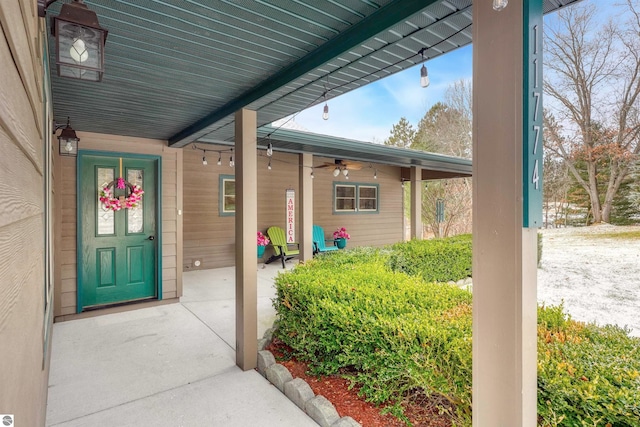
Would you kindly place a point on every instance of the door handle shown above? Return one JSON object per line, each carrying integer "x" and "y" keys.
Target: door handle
{"x": 151, "y": 238}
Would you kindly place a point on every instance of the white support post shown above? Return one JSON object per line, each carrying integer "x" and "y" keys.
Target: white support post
{"x": 504, "y": 253}
{"x": 246, "y": 225}
{"x": 416, "y": 202}
{"x": 306, "y": 207}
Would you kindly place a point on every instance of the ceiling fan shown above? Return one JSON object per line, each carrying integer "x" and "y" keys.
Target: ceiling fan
{"x": 342, "y": 164}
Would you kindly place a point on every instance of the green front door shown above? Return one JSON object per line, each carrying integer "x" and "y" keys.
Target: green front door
{"x": 117, "y": 250}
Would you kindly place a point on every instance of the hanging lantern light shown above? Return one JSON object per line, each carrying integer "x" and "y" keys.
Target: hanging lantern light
{"x": 68, "y": 140}
{"x": 79, "y": 42}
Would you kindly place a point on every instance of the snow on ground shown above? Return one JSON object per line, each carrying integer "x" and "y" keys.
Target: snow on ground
{"x": 598, "y": 278}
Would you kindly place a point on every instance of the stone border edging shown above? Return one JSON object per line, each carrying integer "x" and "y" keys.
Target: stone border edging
{"x": 297, "y": 390}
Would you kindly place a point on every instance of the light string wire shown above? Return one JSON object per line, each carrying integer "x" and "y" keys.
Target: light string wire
{"x": 324, "y": 94}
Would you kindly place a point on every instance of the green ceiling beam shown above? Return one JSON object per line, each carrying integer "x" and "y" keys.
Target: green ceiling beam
{"x": 370, "y": 26}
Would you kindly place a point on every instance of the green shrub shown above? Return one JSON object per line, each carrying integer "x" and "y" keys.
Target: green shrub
{"x": 349, "y": 313}
{"x": 588, "y": 375}
{"x": 436, "y": 260}
{"x": 388, "y": 331}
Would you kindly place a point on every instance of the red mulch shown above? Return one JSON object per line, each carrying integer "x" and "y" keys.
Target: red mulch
{"x": 347, "y": 402}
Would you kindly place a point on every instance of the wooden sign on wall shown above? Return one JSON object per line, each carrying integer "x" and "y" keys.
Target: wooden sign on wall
{"x": 291, "y": 216}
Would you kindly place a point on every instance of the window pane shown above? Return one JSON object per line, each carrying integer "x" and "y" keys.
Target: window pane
{"x": 368, "y": 204}
{"x": 345, "y": 204}
{"x": 368, "y": 192}
{"x": 105, "y": 218}
{"x": 135, "y": 216}
{"x": 230, "y": 203}
{"x": 344, "y": 191}
{"x": 229, "y": 187}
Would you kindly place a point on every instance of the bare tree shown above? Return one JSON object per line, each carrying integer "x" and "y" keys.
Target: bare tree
{"x": 592, "y": 76}
{"x": 446, "y": 129}
{"x": 556, "y": 187}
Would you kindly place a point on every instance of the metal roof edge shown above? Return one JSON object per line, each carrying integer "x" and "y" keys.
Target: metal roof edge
{"x": 315, "y": 139}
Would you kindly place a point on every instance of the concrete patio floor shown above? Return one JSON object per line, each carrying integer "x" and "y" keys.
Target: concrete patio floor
{"x": 167, "y": 365}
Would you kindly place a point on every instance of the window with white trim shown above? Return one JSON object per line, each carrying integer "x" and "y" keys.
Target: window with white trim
{"x": 368, "y": 198}
{"x": 227, "y": 205}
{"x": 354, "y": 198}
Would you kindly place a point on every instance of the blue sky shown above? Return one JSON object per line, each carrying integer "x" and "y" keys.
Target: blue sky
{"x": 368, "y": 113}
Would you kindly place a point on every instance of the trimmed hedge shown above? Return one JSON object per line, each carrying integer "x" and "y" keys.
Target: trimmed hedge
{"x": 436, "y": 260}
{"x": 387, "y": 331}
{"x": 393, "y": 333}
{"x": 588, "y": 375}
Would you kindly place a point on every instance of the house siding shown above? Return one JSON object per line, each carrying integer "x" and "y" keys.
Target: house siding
{"x": 24, "y": 349}
{"x": 210, "y": 237}
{"x": 66, "y": 292}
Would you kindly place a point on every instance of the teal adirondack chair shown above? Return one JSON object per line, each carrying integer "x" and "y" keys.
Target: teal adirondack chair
{"x": 280, "y": 247}
{"x": 319, "y": 241}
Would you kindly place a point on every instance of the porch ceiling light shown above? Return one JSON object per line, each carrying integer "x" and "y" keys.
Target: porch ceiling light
{"x": 498, "y": 5}
{"x": 68, "y": 140}
{"x": 336, "y": 172}
{"x": 80, "y": 41}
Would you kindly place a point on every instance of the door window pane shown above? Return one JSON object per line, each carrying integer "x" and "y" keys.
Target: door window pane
{"x": 105, "y": 218}
{"x": 135, "y": 216}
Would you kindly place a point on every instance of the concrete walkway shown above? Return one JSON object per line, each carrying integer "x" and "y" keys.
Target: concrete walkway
{"x": 169, "y": 365}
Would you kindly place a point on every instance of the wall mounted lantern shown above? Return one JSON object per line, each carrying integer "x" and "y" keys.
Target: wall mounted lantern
{"x": 80, "y": 40}
{"x": 68, "y": 140}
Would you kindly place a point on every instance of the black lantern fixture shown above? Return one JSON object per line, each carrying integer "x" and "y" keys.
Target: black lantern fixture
{"x": 68, "y": 140}
{"x": 79, "y": 41}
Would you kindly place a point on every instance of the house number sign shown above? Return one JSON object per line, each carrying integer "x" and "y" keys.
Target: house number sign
{"x": 532, "y": 110}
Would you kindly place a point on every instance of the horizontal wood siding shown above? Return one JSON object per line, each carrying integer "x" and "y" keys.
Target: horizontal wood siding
{"x": 171, "y": 222}
{"x": 366, "y": 229}
{"x": 210, "y": 239}
{"x": 24, "y": 367}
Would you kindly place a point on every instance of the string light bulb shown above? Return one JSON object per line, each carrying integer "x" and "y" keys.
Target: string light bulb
{"x": 312, "y": 175}
{"x": 424, "y": 74}
{"x": 219, "y": 159}
{"x": 231, "y": 162}
{"x": 375, "y": 174}
{"x": 269, "y": 165}
{"x": 499, "y": 5}
{"x": 204, "y": 161}
{"x": 325, "y": 110}
{"x": 269, "y": 149}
